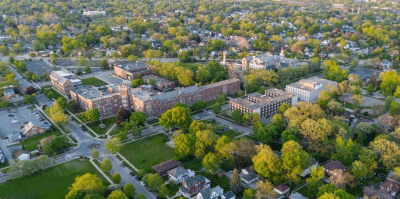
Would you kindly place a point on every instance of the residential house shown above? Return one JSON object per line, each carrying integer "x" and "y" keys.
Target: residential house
{"x": 228, "y": 195}
{"x": 392, "y": 184}
{"x": 297, "y": 195}
{"x": 36, "y": 128}
{"x": 208, "y": 193}
{"x": 2, "y": 158}
{"x": 385, "y": 65}
{"x": 248, "y": 176}
{"x": 314, "y": 164}
{"x": 162, "y": 168}
{"x": 180, "y": 174}
{"x": 22, "y": 155}
{"x": 331, "y": 168}
{"x": 193, "y": 185}
{"x": 281, "y": 189}
{"x": 372, "y": 193}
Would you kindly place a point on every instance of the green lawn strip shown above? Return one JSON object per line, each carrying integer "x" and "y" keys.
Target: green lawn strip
{"x": 116, "y": 130}
{"x": 31, "y": 143}
{"x": 55, "y": 94}
{"x": 194, "y": 165}
{"x": 151, "y": 122}
{"x": 98, "y": 164}
{"x": 95, "y": 125}
{"x": 230, "y": 133}
{"x": 48, "y": 184}
{"x": 93, "y": 81}
{"x": 172, "y": 188}
{"x": 215, "y": 180}
{"x": 148, "y": 152}
{"x": 129, "y": 167}
{"x": 4, "y": 165}
{"x": 250, "y": 137}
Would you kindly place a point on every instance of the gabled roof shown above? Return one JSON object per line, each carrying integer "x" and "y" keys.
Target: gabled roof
{"x": 191, "y": 181}
{"x": 177, "y": 171}
{"x": 281, "y": 187}
{"x": 334, "y": 165}
{"x": 229, "y": 194}
{"x": 165, "y": 166}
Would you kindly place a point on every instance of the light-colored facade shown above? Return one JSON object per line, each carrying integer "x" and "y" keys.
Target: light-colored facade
{"x": 64, "y": 81}
{"x": 180, "y": 174}
{"x": 268, "y": 62}
{"x": 265, "y": 105}
{"x": 32, "y": 129}
{"x": 309, "y": 89}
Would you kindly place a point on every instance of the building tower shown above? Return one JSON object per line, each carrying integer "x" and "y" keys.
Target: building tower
{"x": 125, "y": 93}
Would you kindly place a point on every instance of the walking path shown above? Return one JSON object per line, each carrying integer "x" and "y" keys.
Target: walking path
{"x": 89, "y": 129}
{"x": 102, "y": 173}
{"x": 112, "y": 128}
{"x": 127, "y": 161}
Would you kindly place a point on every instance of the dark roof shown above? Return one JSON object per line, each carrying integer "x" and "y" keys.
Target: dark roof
{"x": 334, "y": 165}
{"x": 381, "y": 193}
{"x": 165, "y": 166}
{"x": 177, "y": 171}
{"x": 281, "y": 187}
{"x": 392, "y": 176}
{"x": 206, "y": 193}
{"x": 229, "y": 194}
{"x": 392, "y": 186}
{"x": 191, "y": 181}
{"x": 249, "y": 176}
{"x": 183, "y": 189}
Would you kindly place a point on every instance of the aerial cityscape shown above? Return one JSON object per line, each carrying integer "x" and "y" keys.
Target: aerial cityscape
{"x": 199, "y": 99}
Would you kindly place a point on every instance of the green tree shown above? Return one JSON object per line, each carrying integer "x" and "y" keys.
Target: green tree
{"x": 198, "y": 105}
{"x": 113, "y": 145}
{"x": 116, "y": 178}
{"x": 88, "y": 183}
{"x": 332, "y": 71}
{"x": 266, "y": 133}
{"x": 177, "y": 116}
{"x": 129, "y": 189}
{"x": 236, "y": 115}
{"x": 47, "y": 146}
{"x": 106, "y": 165}
{"x": 216, "y": 108}
{"x": 249, "y": 193}
{"x": 116, "y": 194}
{"x": 211, "y": 162}
{"x": 87, "y": 69}
{"x": 359, "y": 170}
{"x": 140, "y": 196}
{"x": 29, "y": 99}
{"x": 294, "y": 160}
{"x": 92, "y": 114}
{"x": 285, "y": 106}
{"x": 390, "y": 80}
{"x": 103, "y": 64}
{"x": 314, "y": 181}
{"x": 154, "y": 181}
{"x": 184, "y": 146}
{"x": 345, "y": 151}
{"x": 278, "y": 123}
{"x": 95, "y": 154}
{"x": 138, "y": 117}
{"x": 267, "y": 164}
{"x": 394, "y": 108}
{"x": 235, "y": 181}
{"x": 137, "y": 82}
{"x": 265, "y": 189}
{"x": 63, "y": 102}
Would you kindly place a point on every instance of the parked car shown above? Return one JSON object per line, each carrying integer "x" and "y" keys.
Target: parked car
{"x": 142, "y": 183}
{"x": 14, "y": 121}
{"x": 131, "y": 173}
{"x": 122, "y": 165}
{"x": 11, "y": 115}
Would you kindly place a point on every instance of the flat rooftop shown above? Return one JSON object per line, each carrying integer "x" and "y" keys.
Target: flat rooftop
{"x": 158, "y": 79}
{"x": 265, "y": 100}
{"x": 305, "y": 84}
{"x": 131, "y": 66}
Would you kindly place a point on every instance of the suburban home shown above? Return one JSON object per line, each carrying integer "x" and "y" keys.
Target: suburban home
{"x": 392, "y": 184}
{"x": 179, "y": 174}
{"x": 297, "y": 195}
{"x": 281, "y": 189}
{"x": 209, "y": 193}
{"x": 193, "y": 185}
{"x": 51, "y": 138}
{"x": 247, "y": 176}
{"x": 22, "y": 155}
{"x": 228, "y": 195}
{"x": 372, "y": 193}
{"x": 162, "y": 168}
{"x": 331, "y": 168}
{"x": 314, "y": 164}
{"x": 36, "y": 128}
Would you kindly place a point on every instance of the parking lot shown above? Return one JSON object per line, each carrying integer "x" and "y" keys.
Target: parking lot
{"x": 38, "y": 67}
{"x": 21, "y": 114}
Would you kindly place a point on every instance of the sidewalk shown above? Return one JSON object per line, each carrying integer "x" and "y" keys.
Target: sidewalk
{"x": 102, "y": 173}
{"x": 127, "y": 161}
{"x": 89, "y": 129}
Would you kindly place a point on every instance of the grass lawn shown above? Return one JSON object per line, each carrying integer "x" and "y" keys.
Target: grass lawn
{"x": 95, "y": 125}
{"x": 50, "y": 183}
{"x": 194, "y": 165}
{"x": 250, "y": 137}
{"x": 116, "y": 130}
{"x": 215, "y": 180}
{"x": 172, "y": 189}
{"x": 4, "y": 165}
{"x": 93, "y": 81}
{"x": 305, "y": 191}
{"x": 148, "y": 152}
{"x": 52, "y": 94}
{"x": 231, "y": 134}
{"x": 30, "y": 144}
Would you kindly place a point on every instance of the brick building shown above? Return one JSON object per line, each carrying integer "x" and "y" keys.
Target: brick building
{"x": 129, "y": 70}
{"x": 64, "y": 81}
{"x": 160, "y": 83}
{"x": 265, "y": 105}
{"x": 109, "y": 99}
{"x": 36, "y": 128}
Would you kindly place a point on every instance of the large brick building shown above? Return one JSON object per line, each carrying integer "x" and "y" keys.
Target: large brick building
{"x": 109, "y": 99}
{"x": 129, "y": 70}
{"x": 160, "y": 83}
{"x": 64, "y": 81}
{"x": 265, "y": 105}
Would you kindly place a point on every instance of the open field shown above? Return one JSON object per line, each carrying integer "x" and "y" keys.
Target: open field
{"x": 48, "y": 184}
{"x": 148, "y": 152}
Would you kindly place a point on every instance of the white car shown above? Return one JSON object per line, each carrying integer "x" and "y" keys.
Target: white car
{"x": 142, "y": 183}
{"x": 14, "y": 121}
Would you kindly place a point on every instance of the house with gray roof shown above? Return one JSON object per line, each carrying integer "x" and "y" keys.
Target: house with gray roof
{"x": 228, "y": 195}
{"x": 297, "y": 195}
{"x": 209, "y": 193}
{"x": 193, "y": 185}
{"x": 179, "y": 174}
